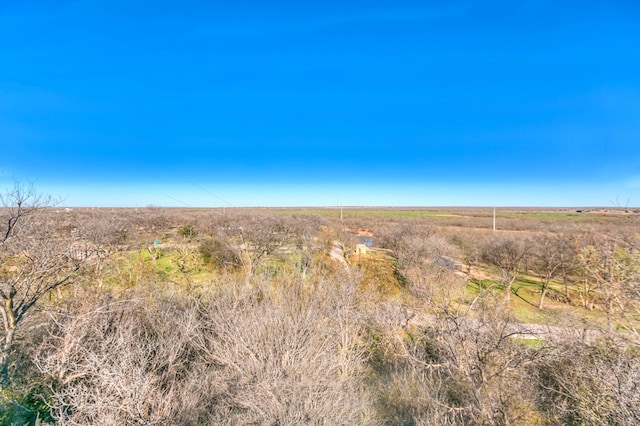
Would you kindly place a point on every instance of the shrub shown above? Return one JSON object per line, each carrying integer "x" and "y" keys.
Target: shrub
{"x": 218, "y": 254}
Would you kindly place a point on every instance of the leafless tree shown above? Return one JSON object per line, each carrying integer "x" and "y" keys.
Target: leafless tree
{"x": 34, "y": 259}
{"x": 254, "y": 238}
{"x": 470, "y": 248}
{"x": 465, "y": 366}
{"x": 569, "y": 260}
{"x": 420, "y": 255}
{"x": 242, "y": 354}
{"x": 115, "y": 361}
{"x": 103, "y": 233}
{"x": 305, "y": 230}
{"x": 508, "y": 253}
{"x": 152, "y": 223}
{"x": 551, "y": 259}
{"x": 18, "y": 204}
{"x": 592, "y": 383}
{"x": 614, "y": 269}
{"x": 408, "y": 243}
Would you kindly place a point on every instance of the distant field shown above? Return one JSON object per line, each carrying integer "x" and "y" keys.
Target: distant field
{"x": 369, "y": 212}
{"x": 448, "y": 214}
{"x": 513, "y": 218}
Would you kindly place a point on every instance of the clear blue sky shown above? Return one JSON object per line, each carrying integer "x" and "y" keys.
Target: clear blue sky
{"x": 211, "y": 103}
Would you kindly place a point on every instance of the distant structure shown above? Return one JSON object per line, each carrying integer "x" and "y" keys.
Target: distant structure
{"x": 363, "y": 240}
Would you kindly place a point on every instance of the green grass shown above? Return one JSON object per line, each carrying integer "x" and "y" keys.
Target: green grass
{"x": 545, "y": 215}
{"x": 525, "y": 296}
{"x": 409, "y": 214}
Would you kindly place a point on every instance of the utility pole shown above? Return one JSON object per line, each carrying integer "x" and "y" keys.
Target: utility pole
{"x": 494, "y": 218}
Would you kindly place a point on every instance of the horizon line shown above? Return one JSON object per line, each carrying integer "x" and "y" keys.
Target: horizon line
{"x": 356, "y": 207}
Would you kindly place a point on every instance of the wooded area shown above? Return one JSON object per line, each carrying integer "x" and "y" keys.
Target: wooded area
{"x": 277, "y": 316}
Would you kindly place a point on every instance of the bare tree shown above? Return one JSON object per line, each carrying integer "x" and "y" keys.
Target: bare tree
{"x": 34, "y": 259}
{"x": 102, "y": 234}
{"x": 569, "y": 261}
{"x": 614, "y": 269}
{"x": 471, "y": 250}
{"x": 242, "y": 354}
{"x": 408, "y": 243}
{"x": 465, "y": 366}
{"x": 549, "y": 260}
{"x": 508, "y": 254}
{"x": 305, "y": 229}
{"x": 18, "y": 204}
{"x": 590, "y": 383}
{"x": 254, "y": 238}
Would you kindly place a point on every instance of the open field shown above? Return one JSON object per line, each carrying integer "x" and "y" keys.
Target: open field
{"x": 545, "y": 215}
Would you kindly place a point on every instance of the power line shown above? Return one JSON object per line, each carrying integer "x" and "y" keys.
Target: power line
{"x": 225, "y": 202}
{"x": 175, "y": 199}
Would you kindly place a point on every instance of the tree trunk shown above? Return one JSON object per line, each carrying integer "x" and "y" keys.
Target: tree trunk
{"x": 248, "y": 269}
{"x": 510, "y": 278}
{"x": 9, "y": 323}
{"x": 507, "y": 292}
{"x": 542, "y": 295}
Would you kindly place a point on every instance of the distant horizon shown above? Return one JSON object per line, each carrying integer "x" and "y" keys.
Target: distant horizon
{"x": 357, "y": 207}
{"x": 577, "y": 208}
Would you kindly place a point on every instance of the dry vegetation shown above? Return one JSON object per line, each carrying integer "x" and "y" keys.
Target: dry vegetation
{"x": 189, "y": 317}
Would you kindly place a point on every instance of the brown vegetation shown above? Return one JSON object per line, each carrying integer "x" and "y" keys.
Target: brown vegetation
{"x": 272, "y": 317}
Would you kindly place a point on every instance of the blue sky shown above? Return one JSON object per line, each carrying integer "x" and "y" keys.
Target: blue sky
{"x": 283, "y": 103}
